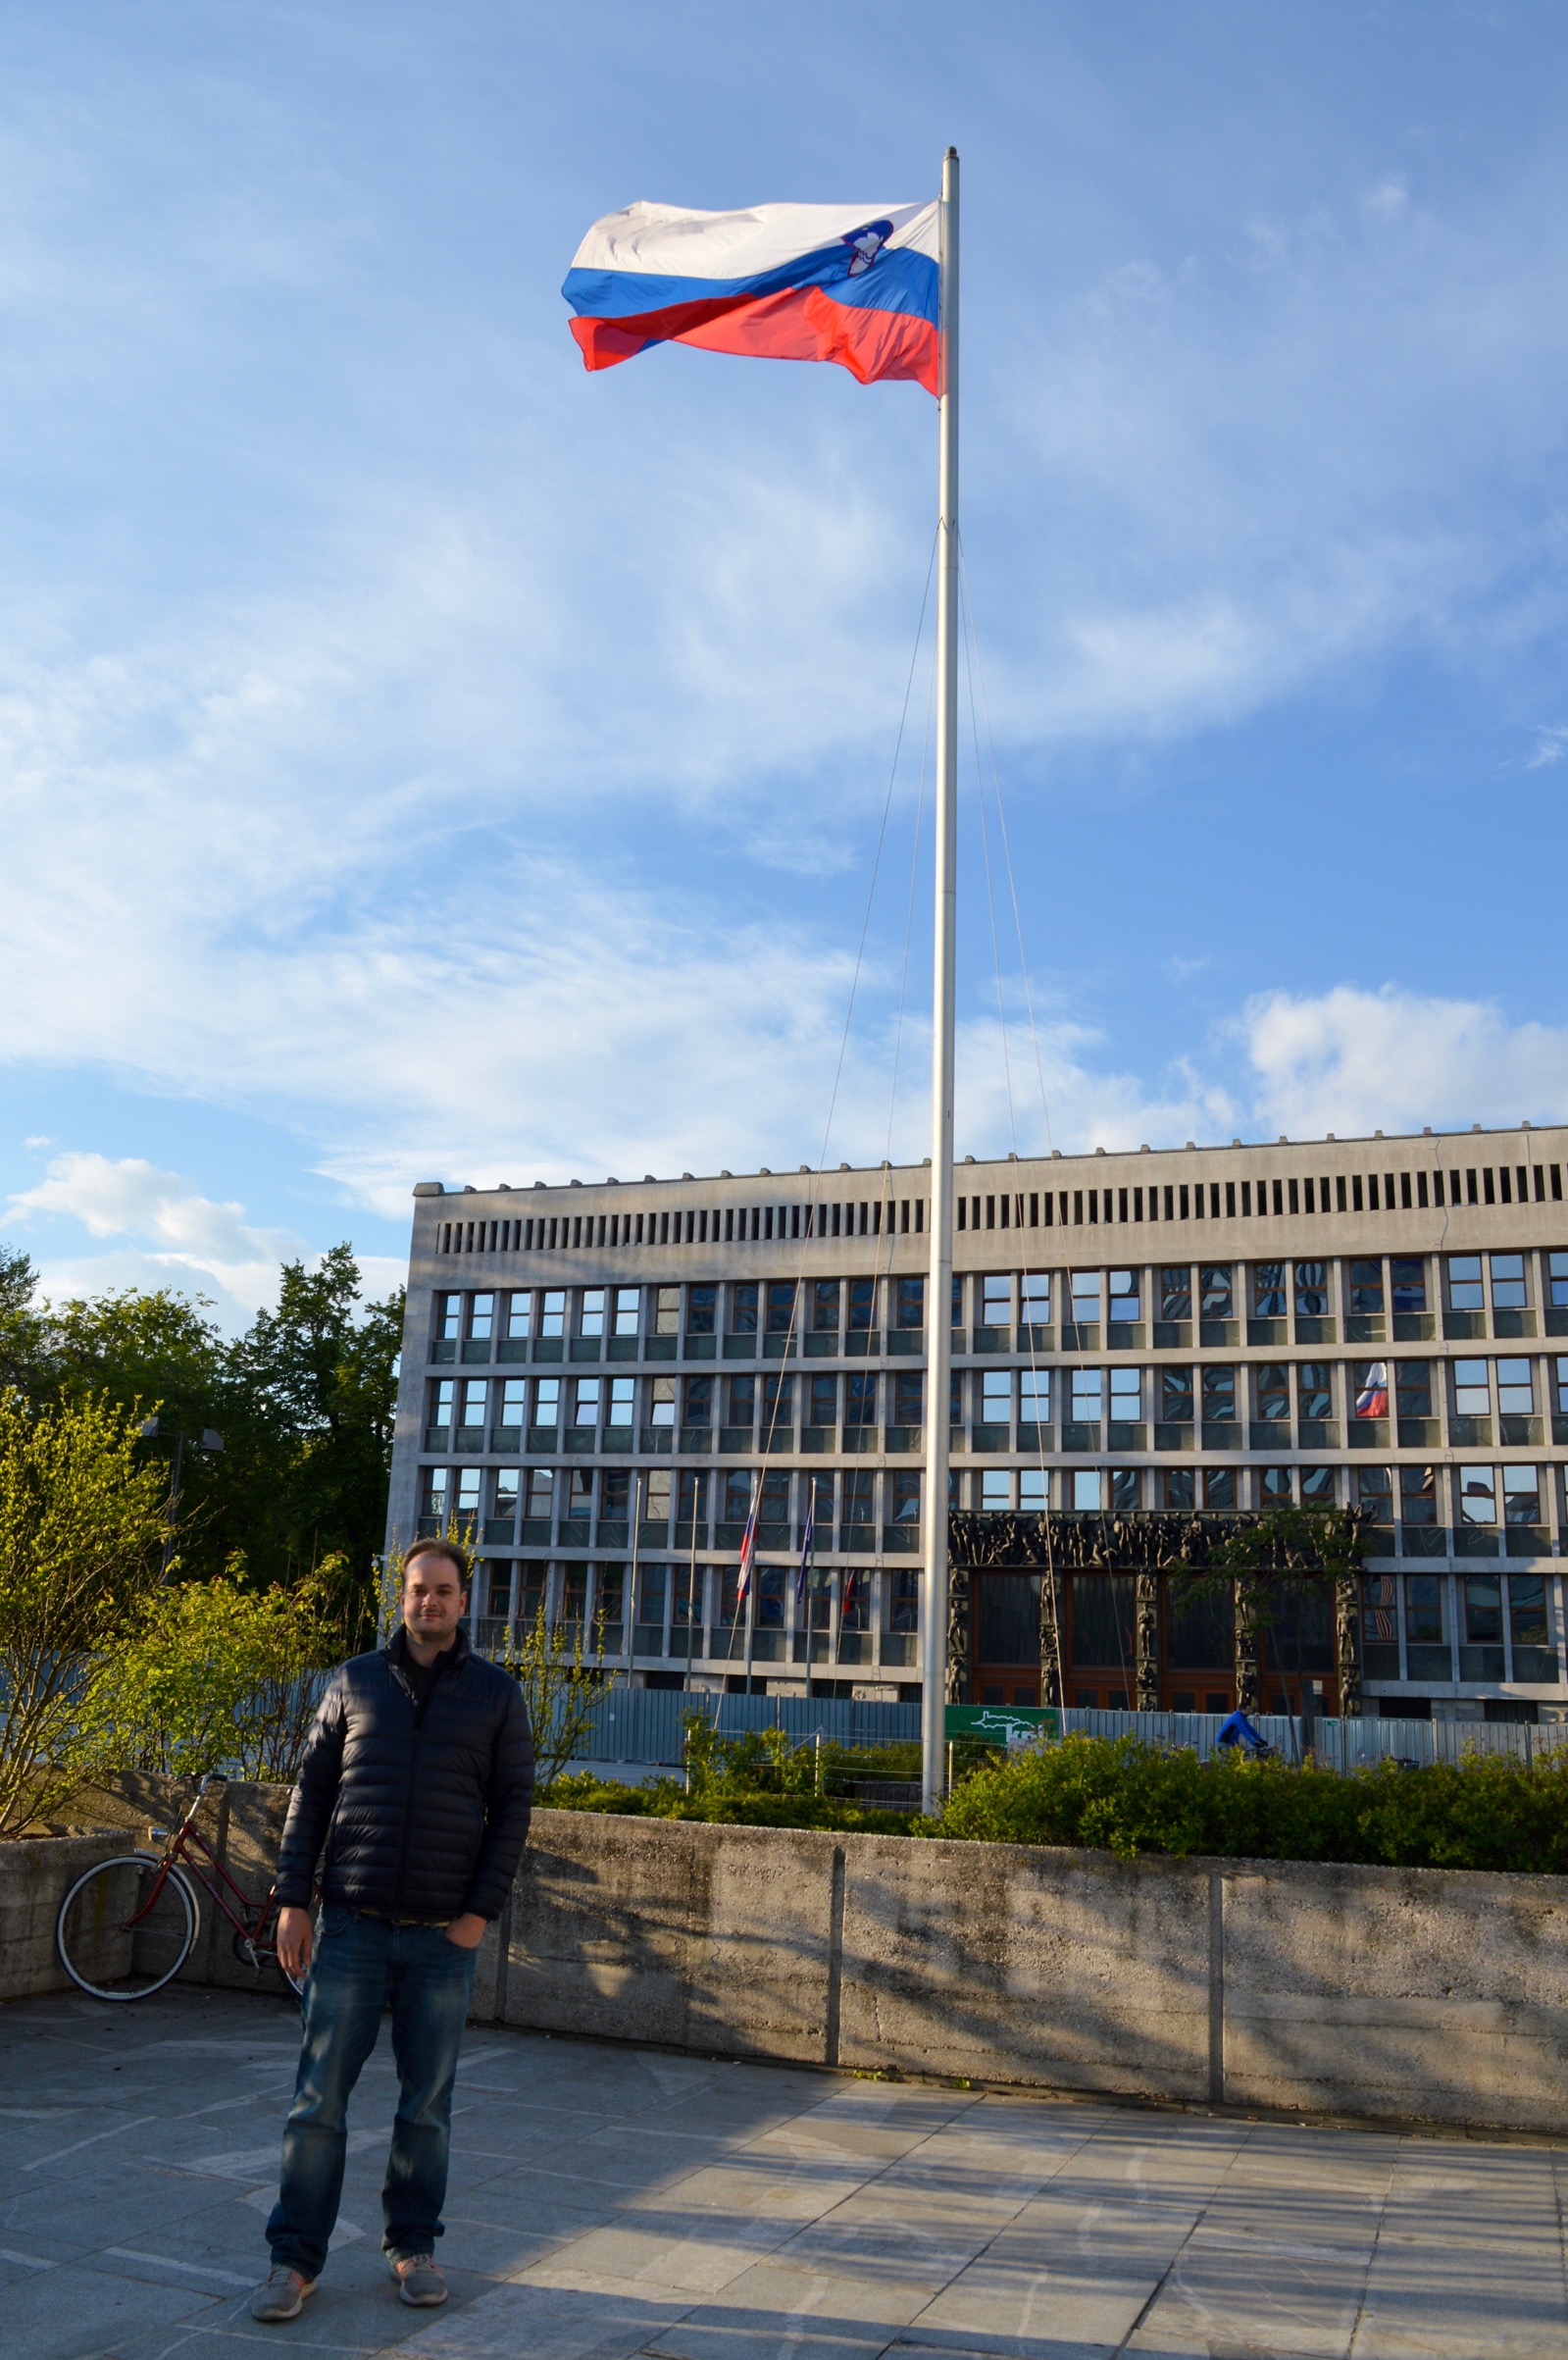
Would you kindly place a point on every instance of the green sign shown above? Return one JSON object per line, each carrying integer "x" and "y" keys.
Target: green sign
{"x": 1003, "y": 1724}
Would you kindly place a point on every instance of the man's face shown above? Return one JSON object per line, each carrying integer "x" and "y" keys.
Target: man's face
{"x": 433, "y": 1600}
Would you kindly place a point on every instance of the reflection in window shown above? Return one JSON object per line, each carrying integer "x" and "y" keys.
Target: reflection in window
{"x": 552, "y": 1312}
{"x": 1478, "y": 1495}
{"x": 1179, "y": 1487}
{"x": 466, "y": 1508}
{"x": 1312, "y": 1396}
{"x": 1464, "y": 1283}
{"x": 1408, "y": 1273}
{"x": 1472, "y": 1396}
{"x": 1312, "y": 1290}
{"x": 1366, "y": 1287}
{"x": 1379, "y": 1629}
{"x": 1127, "y": 1301}
{"x": 1516, "y": 1392}
{"x": 1127, "y": 1394}
{"x": 824, "y": 1305}
{"x": 666, "y": 1310}
{"x": 1412, "y": 1380}
{"x": 1507, "y": 1282}
{"x": 1557, "y": 1278}
{"x": 591, "y": 1316}
{"x": 860, "y": 1404}
{"x": 585, "y": 1403}
{"x": 1086, "y": 1296}
{"x": 1374, "y": 1490}
{"x": 862, "y": 1304}
{"x": 1102, "y": 1620}
{"x": 660, "y": 1402}
{"x": 742, "y": 1409}
{"x": 1035, "y": 1395}
{"x": 909, "y": 1398}
{"x": 1035, "y": 1300}
{"x": 1534, "y": 1657}
{"x": 481, "y": 1318}
{"x": 911, "y": 1303}
{"x": 448, "y": 1316}
{"x": 1521, "y": 1495}
{"x": 1319, "y": 1488}
{"x": 1274, "y": 1393}
{"x": 996, "y": 1488}
{"x": 1086, "y": 1390}
{"x": 519, "y": 1315}
{"x": 778, "y": 1405}
{"x": 1034, "y": 1490}
{"x": 1217, "y": 1301}
{"x": 823, "y": 1410}
{"x": 1276, "y": 1486}
{"x": 738, "y": 1489}
{"x": 1176, "y": 1293}
{"x": 1176, "y": 1397}
{"x": 904, "y": 1502}
{"x": 697, "y": 1406}
{"x": 1126, "y": 1490}
{"x": 1219, "y": 1489}
{"x": 780, "y": 1305}
{"x": 901, "y": 1589}
{"x": 1418, "y": 1495}
{"x": 1268, "y": 1290}
{"x": 628, "y": 1302}
{"x": 702, "y": 1304}
{"x": 996, "y": 1300}
{"x": 744, "y": 1309}
{"x": 997, "y": 1397}
{"x": 1482, "y": 1609}
{"x": 1219, "y": 1395}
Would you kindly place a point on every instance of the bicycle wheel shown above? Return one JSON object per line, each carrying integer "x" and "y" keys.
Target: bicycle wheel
{"x": 120, "y": 1932}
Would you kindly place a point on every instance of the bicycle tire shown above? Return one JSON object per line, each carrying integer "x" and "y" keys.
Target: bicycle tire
{"x": 104, "y": 1953}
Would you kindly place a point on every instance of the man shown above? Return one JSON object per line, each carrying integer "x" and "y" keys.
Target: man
{"x": 417, "y": 1777}
{"x": 1237, "y": 1730}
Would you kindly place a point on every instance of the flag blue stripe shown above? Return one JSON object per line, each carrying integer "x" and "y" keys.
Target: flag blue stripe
{"x": 899, "y": 281}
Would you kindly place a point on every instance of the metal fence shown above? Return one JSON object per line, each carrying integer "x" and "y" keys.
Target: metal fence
{"x": 648, "y": 1725}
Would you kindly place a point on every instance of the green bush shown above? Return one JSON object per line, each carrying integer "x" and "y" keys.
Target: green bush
{"x": 1123, "y": 1795}
{"x": 759, "y": 1780}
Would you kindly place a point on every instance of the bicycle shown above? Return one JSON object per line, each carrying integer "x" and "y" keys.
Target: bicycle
{"x": 127, "y": 1925}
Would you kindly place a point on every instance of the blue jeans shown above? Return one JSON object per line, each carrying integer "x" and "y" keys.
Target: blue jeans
{"x": 363, "y": 1965}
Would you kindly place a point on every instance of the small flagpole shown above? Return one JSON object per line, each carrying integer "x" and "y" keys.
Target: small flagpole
{"x": 939, "y": 1355}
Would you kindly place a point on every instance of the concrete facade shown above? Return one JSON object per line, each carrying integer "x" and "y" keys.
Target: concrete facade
{"x": 596, "y": 1380}
{"x": 1423, "y": 1995}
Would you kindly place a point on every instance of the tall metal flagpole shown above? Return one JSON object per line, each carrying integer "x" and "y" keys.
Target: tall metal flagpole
{"x": 939, "y": 1350}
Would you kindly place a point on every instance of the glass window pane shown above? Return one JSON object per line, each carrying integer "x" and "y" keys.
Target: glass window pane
{"x": 1176, "y": 1397}
{"x": 590, "y": 1319}
{"x": 911, "y": 1303}
{"x": 552, "y": 1312}
{"x": 1516, "y": 1397}
{"x": 626, "y": 1302}
{"x": 744, "y": 1309}
{"x": 1464, "y": 1283}
{"x": 702, "y": 1305}
{"x": 1176, "y": 1292}
{"x": 1035, "y": 1307}
{"x": 1087, "y": 1384}
{"x": 1366, "y": 1287}
{"x": 862, "y": 1304}
{"x": 1478, "y": 1495}
{"x": 1087, "y": 1489}
{"x": 1126, "y": 1298}
{"x": 1268, "y": 1290}
{"x": 1520, "y": 1494}
{"x": 1217, "y": 1299}
{"x": 1508, "y": 1281}
{"x": 824, "y": 1305}
{"x": 996, "y": 1300}
{"x": 1273, "y": 1394}
{"x": 1086, "y": 1296}
{"x": 1312, "y": 1289}
{"x": 1219, "y": 1395}
{"x": 1408, "y": 1274}
{"x": 1472, "y": 1395}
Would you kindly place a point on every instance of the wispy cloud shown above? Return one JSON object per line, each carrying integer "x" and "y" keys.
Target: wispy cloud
{"x": 168, "y": 1232}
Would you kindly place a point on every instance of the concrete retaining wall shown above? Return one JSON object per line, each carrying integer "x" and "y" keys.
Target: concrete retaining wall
{"x": 1421, "y": 1994}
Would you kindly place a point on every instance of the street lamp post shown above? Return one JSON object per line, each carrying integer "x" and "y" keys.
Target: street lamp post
{"x": 210, "y": 1443}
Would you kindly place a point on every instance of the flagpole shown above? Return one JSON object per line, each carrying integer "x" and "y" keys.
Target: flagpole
{"x": 938, "y": 1353}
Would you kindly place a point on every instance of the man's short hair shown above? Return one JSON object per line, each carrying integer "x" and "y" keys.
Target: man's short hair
{"x": 447, "y": 1549}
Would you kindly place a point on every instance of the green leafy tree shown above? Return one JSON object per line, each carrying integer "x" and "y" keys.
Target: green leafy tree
{"x": 24, "y": 1342}
{"x": 1281, "y": 1566}
{"x": 82, "y": 1534}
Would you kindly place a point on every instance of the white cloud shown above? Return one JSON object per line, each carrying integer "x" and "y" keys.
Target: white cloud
{"x": 181, "y": 1238}
{"x": 1352, "y": 1061}
{"x": 1551, "y": 744}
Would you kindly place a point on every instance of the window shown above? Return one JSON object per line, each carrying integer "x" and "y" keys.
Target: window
{"x": 666, "y": 1310}
{"x": 623, "y": 1401}
{"x": 586, "y": 1406}
{"x": 1318, "y": 1487}
{"x": 996, "y": 1300}
{"x": 742, "y": 1409}
{"x": 541, "y": 1494}
{"x": 579, "y": 1501}
{"x": 448, "y": 1317}
{"x": 627, "y": 1304}
{"x": 901, "y": 1589}
{"x": 609, "y": 1607}
{"x": 1534, "y": 1657}
{"x": 616, "y": 1494}
{"x": 825, "y": 1401}
{"x": 702, "y": 1305}
{"x": 481, "y": 1318}
{"x": 909, "y": 1398}
{"x": 737, "y": 1484}
{"x": 955, "y": 1399}
{"x": 825, "y": 1307}
{"x": 1035, "y": 1395}
{"x": 508, "y": 1485}
{"x": 467, "y": 1507}
{"x": 1034, "y": 1297}
{"x": 1426, "y": 1623}
{"x": 862, "y": 1306}
{"x": 1559, "y": 1387}
{"x": 443, "y": 1400}
{"x": 780, "y": 1305}
{"x": 696, "y": 1402}
{"x": 661, "y": 1400}
{"x": 860, "y": 1402}
{"x": 474, "y": 1393}
{"x": 435, "y": 1498}
{"x": 1102, "y": 1620}
{"x": 1176, "y": 1294}
{"x": 1412, "y": 1383}
{"x": 1482, "y": 1609}
{"x": 769, "y": 1612}
{"x": 1366, "y": 1287}
{"x": 743, "y": 1310}
{"x": 1472, "y": 1396}
{"x": 1126, "y": 1301}
{"x": 1418, "y": 1495}
{"x": 1125, "y": 1484}
{"x": 1087, "y": 1386}
{"x": 652, "y": 1583}
{"x": 1219, "y": 1489}
{"x": 1176, "y": 1397}
{"x": 1179, "y": 1488}
{"x": 1217, "y": 1301}
{"x": 1219, "y": 1395}
{"x": 691, "y": 1498}
{"x": 590, "y": 1318}
{"x": 1268, "y": 1290}
{"x": 1507, "y": 1282}
{"x": 1408, "y": 1273}
{"x": 997, "y": 1397}
{"x": 1200, "y": 1632}
{"x": 958, "y": 1303}
{"x": 1273, "y": 1393}
{"x": 821, "y": 1492}
{"x": 1034, "y": 1490}
{"x": 1086, "y": 1489}
{"x": 1478, "y": 1495}
{"x": 778, "y": 1405}
{"x": 1516, "y": 1392}
{"x": 1379, "y": 1631}
{"x": 1557, "y": 1278}
{"x": 1521, "y": 1495}
{"x": 552, "y": 1312}
{"x": 546, "y": 1400}
{"x": 1312, "y": 1290}
{"x": 1312, "y": 1396}
{"x": 656, "y": 1490}
{"x": 1276, "y": 1486}
{"x": 854, "y": 1607}
{"x": 513, "y": 1394}
{"x": 1374, "y": 1491}
{"x": 1464, "y": 1283}
{"x": 905, "y": 1499}
{"x": 859, "y": 1497}
{"x": 1086, "y": 1296}
{"x": 911, "y": 1312}
{"x": 1127, "y": 1394}
{"x": 519, "y": 1315}
{"x": 996, "y": 1488}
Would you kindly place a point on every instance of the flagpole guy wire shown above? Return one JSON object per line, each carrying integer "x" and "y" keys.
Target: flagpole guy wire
{"x": 938, "y": 1352}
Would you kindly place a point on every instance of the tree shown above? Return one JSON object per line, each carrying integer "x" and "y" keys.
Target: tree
{"x": 23, "y": 1339}
{"x": 82, "y": 1533}
{"x": 1278, "y": 1565}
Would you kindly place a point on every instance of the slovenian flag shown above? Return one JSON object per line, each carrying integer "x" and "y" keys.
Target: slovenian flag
{"x": 852, "y": 284}
{"x": 748, "y": 1552}
{"x": 1373, "y": 1399}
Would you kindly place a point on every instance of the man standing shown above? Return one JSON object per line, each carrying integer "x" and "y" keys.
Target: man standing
{"x": 417, "y": 1777}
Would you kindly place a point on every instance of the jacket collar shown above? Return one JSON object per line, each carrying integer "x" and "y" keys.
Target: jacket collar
{"x": 446, "y": 1662}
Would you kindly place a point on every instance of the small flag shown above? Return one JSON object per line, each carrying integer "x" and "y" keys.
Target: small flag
{"x": 852, "y": 284}
{"x": 850, "y": 1594}
{"x": 748, "y": 1552}
{"x": 1373, "y": 1399}
{"x": 805, "y": 1544}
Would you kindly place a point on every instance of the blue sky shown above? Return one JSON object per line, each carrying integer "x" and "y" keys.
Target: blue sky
{"x": 418, "y": 758}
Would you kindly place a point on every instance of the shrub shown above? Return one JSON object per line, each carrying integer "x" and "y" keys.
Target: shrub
{"x": 1127, "y": 1796}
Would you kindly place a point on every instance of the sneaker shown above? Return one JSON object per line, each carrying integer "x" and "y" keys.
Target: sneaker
{"x": 419, "y": 2280}
{"x": 281, "y": 2294}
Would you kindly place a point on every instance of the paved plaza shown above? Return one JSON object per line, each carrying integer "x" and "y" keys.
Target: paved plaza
{"x": 607, "y": 2202}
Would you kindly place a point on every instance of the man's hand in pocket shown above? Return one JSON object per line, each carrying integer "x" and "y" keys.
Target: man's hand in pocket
{"x": 467, "y": 1931}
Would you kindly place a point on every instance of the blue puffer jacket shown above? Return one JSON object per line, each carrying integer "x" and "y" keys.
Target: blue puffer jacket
{"x": 423, "y": 1808}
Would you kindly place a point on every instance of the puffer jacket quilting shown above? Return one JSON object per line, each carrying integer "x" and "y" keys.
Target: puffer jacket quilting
{"x": 423, "y": 1813}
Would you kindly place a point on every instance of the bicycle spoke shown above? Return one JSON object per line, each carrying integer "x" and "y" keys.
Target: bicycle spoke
{"x": 125, "y": 1927}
